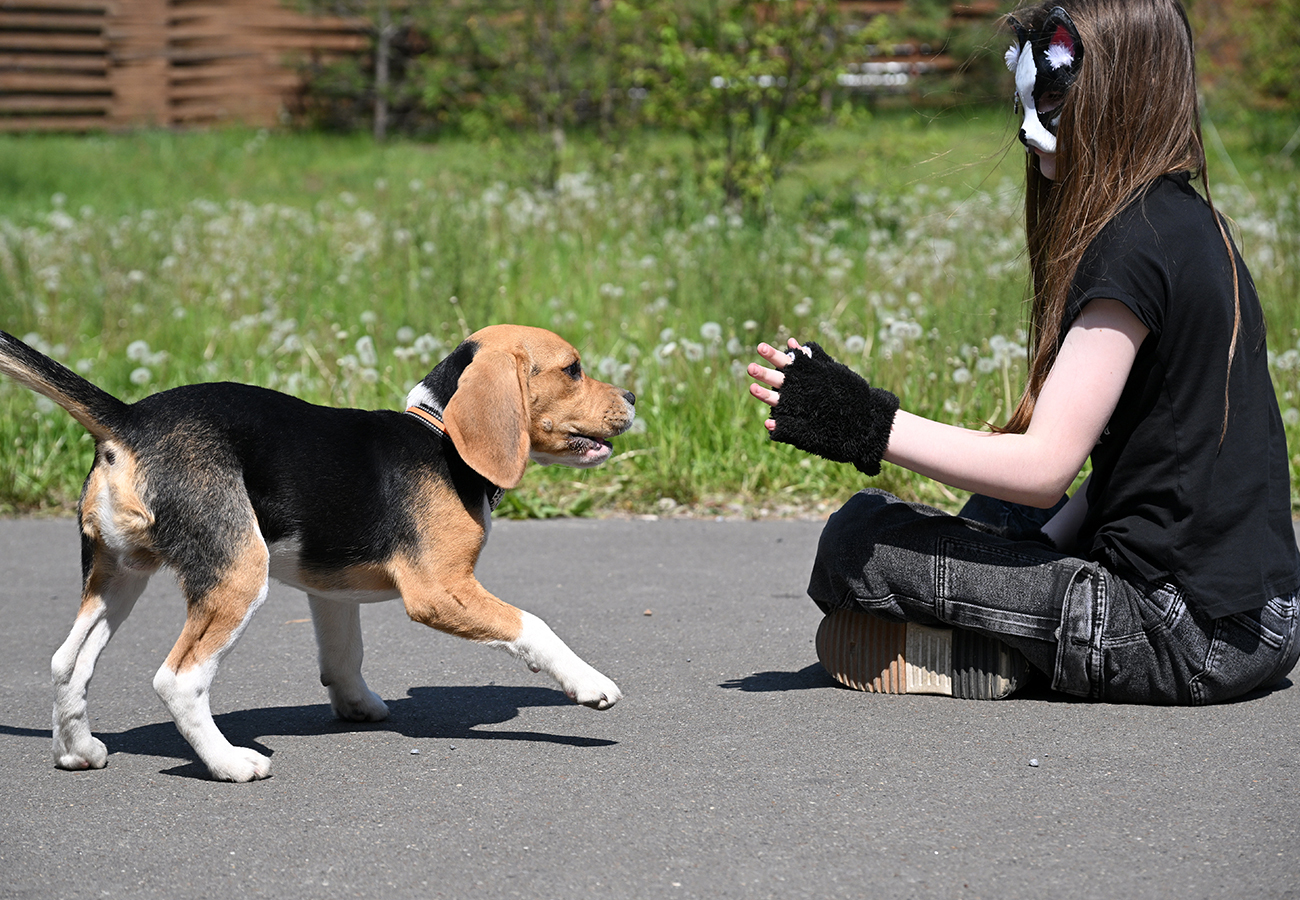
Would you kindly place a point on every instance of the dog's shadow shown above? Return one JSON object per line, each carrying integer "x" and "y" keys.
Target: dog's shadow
{"x": 456, "y": 713}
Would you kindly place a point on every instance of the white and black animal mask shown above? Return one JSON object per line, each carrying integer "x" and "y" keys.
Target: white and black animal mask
{"x": 1045, "y": 62}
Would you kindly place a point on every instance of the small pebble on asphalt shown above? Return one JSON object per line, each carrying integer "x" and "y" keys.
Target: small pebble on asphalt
{"x": 1034, "y": 763}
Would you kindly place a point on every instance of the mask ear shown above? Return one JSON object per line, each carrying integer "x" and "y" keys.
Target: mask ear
{"x": 1063, "y": 49}
{"x": 487, "y": 419}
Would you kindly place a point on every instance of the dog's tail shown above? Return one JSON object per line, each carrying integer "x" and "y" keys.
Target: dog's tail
{"x": 99, "y": 412}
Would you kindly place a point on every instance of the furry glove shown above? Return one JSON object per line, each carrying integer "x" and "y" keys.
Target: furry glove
{"x": 828, "y": 409}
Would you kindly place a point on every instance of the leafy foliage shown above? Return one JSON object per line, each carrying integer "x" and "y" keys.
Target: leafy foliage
{"x": 745, "y": 81}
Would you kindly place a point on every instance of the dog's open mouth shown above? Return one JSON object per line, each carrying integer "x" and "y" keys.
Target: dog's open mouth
{"x": 590, "y": 451}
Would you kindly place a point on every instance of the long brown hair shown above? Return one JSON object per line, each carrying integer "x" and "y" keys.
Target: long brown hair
{"x": 1130, "y": 117}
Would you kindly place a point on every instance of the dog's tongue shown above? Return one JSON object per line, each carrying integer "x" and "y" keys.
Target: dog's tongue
{"x": 591, "y": 448}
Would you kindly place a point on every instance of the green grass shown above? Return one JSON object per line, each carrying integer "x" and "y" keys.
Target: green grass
{"x": 339, "y": 272}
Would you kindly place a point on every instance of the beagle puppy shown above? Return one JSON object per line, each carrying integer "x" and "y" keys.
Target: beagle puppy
{"x": 230, "y": 485}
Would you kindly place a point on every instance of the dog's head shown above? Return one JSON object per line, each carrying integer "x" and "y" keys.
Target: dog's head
{"x": 510, "y": 393}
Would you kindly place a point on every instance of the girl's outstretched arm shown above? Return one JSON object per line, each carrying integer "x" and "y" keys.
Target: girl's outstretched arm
{"x": 1035, "y": 467}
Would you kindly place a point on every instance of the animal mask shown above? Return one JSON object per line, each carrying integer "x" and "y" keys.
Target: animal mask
{"x": 1045, "y": 62}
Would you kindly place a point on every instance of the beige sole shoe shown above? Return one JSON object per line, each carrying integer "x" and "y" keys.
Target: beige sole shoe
{"x": 867, "y": 653}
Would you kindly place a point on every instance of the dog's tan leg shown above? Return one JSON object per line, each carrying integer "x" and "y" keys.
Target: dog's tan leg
{"x": 338, "y": 641}
{"x": 457, "y": 604}
{"x": 108, "y": 595}
{"x": 213, "y": 623}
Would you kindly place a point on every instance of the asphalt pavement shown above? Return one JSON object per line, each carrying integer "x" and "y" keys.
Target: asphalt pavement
{"x": 734, "y": 767}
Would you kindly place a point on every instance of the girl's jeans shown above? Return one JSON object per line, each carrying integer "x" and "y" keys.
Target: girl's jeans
{"x": 1093, "y": 633}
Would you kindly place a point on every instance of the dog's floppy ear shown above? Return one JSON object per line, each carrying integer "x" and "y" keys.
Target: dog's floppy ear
{"x": 486, "y": 418}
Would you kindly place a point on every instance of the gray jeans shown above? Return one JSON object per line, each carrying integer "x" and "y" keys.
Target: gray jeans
{"x": 1091, "y": 632}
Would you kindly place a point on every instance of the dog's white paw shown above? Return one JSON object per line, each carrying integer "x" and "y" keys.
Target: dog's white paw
{"x": 542, "y": 651}
{"x": 362, "y": 706}
{"x": 595, "y": 691}
{"x": 92, "y": 755}
{"x": 240, "y": 764}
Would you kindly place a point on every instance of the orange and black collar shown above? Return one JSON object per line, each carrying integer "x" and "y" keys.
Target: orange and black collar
{"x": 428, "y": 417}
{"x": 435, "y": 424}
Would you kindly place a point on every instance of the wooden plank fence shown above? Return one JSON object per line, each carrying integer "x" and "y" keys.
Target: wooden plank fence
{"x": 78, "y": 65}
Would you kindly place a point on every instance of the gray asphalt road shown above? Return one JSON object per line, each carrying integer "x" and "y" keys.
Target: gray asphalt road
{"x": 733, "y": 768}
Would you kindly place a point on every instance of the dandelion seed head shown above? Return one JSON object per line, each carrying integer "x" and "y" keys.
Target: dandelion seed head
{"x": 141, "y": 376}
{"x": 426, "y": 344}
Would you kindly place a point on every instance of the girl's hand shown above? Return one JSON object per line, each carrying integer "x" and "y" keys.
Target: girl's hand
{"x": 772, "y": 377}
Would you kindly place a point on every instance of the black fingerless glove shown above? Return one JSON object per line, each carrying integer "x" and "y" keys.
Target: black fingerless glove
{"x": 828, "y": 409}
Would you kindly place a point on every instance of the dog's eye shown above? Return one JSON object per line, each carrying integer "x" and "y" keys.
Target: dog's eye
{"x": 574, "y": 370}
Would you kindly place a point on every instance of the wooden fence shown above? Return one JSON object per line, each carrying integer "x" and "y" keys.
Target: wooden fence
{"x": 78, "y": 65}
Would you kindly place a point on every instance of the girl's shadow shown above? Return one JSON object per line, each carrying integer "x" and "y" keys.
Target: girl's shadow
{"x": 814, "y": 676}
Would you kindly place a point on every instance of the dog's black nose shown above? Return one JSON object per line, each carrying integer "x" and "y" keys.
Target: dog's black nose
{"x": 630, "y": 397}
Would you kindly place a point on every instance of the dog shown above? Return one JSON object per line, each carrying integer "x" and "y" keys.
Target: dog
{"x": 230, "y": 484}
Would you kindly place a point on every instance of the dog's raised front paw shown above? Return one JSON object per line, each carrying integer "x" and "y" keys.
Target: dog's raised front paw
{"x": 597, "y": 692}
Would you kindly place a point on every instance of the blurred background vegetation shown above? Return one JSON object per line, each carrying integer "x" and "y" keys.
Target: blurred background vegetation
{"x": 717, "y": 69}
{"x": 666, "y": 184}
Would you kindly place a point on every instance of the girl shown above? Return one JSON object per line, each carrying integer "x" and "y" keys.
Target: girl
{"x": 1171, "y": 575}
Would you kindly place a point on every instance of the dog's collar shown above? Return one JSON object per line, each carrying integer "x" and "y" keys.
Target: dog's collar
{"x": 433, "y": 421}
{"x": 430, "y": 418}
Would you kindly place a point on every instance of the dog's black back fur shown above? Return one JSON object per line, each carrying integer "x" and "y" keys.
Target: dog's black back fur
{"x": 337, "y": 481}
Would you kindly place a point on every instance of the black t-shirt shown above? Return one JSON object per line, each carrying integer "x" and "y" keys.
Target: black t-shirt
{"x": 1166, "y": 501}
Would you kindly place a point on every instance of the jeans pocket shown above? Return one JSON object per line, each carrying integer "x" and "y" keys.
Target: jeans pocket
{"x": 1249, "y": 650}
{"x": 1162, "y": 608}
{"x": 1281, "y": 618}
{"x": 997, "y": 588}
